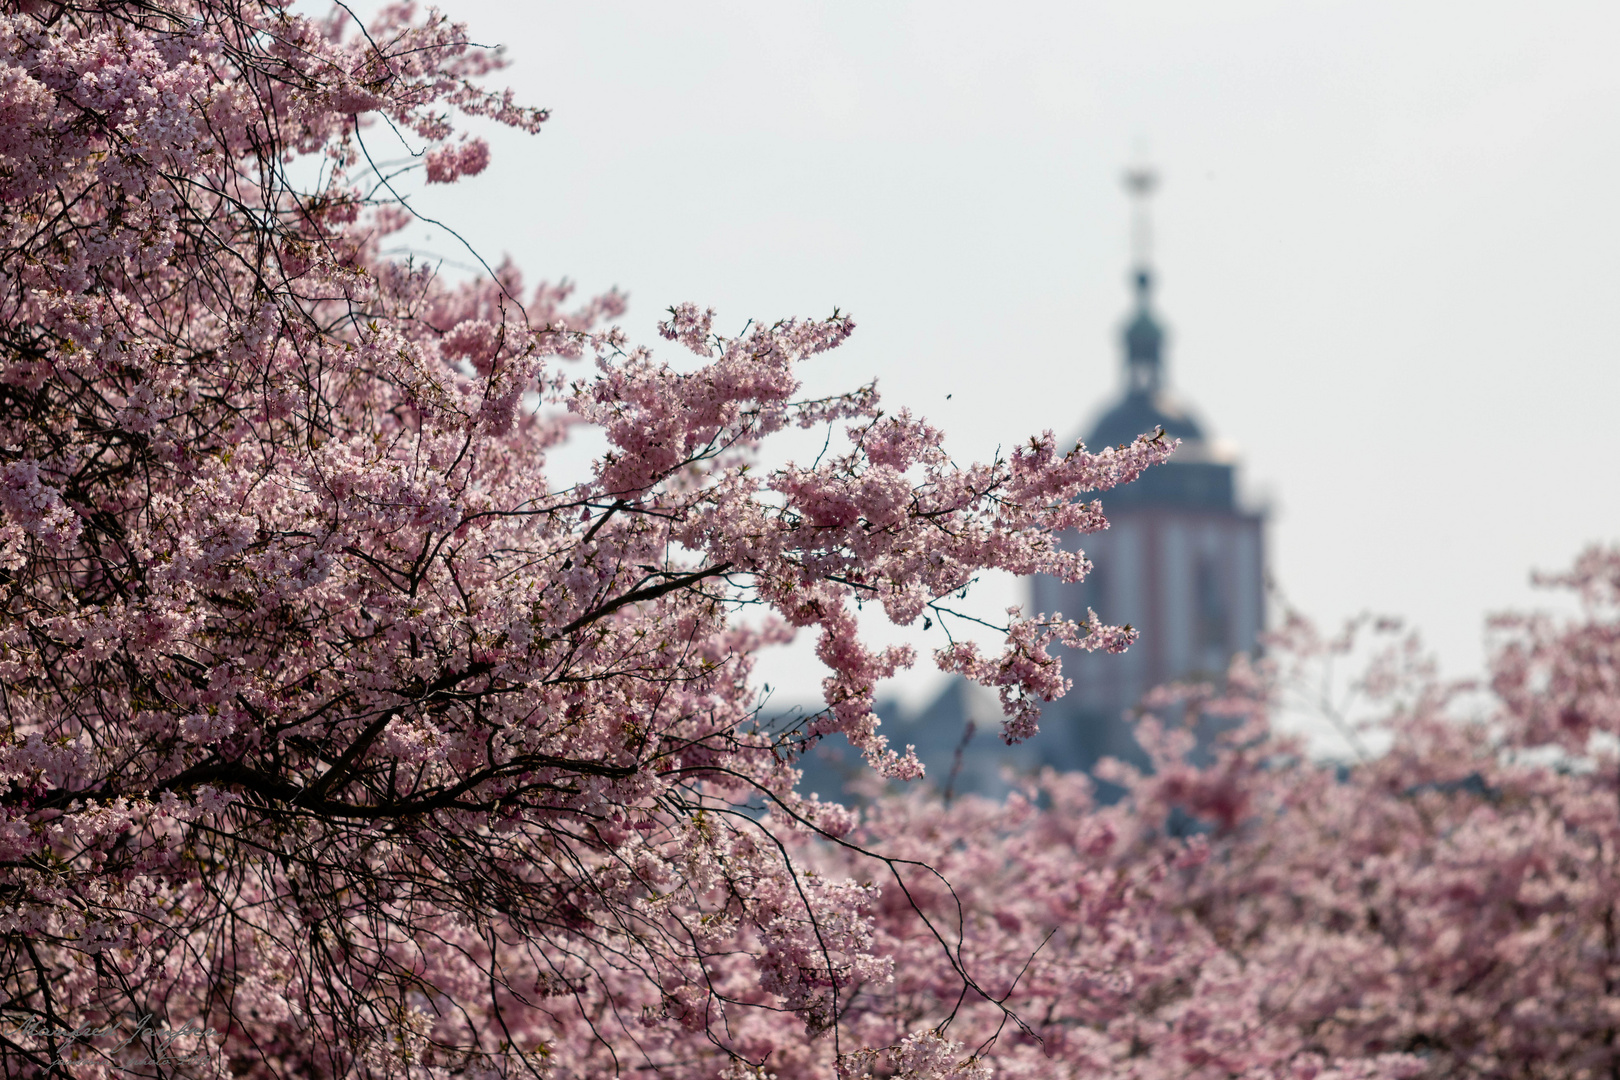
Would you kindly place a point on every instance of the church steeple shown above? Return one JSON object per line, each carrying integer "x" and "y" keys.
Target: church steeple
{"x": 1144, "y": 338}
{"x": 1200, "y": 475}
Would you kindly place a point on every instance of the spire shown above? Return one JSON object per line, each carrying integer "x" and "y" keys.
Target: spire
{"x": 1144, "y": 339}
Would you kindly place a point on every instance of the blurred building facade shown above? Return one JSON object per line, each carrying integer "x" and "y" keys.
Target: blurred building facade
{"x": 1183, "y": 562}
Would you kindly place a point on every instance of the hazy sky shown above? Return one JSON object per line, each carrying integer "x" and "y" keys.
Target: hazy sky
{"x": 1387, "y": 240}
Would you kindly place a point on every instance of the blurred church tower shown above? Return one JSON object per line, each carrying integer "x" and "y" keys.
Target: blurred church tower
{"x": 1182, "y": 561}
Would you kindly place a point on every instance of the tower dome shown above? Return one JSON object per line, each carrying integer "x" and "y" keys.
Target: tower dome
{"x": 1139, "y": 414}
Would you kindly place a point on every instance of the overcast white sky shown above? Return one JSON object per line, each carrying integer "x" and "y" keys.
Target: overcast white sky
{"x": 1388, "y": 240}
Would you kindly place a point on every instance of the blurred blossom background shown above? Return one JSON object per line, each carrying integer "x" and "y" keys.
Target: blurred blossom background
{"x": 1386, "y": 237}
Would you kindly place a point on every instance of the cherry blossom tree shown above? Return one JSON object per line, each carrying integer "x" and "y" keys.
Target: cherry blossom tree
{"x": 342, "y": 739}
